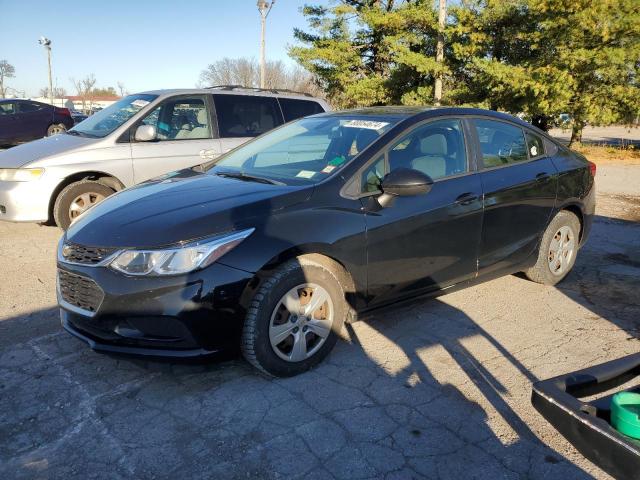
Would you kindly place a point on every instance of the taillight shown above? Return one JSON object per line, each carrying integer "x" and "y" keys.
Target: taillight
{"x": 63, "y": 111}
{"x": 592, "y": 169}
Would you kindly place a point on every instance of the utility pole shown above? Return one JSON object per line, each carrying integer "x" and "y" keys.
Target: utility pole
{"x": 46, "y": 43}
{"x": 442, "y": 18}
{"x": 264, "y": 8}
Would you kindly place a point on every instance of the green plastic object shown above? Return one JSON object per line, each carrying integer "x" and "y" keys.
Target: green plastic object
{"x": 625, "y": 413}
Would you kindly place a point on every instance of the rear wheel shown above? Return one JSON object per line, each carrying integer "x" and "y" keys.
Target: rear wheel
{"x": 76, "y": 198}
{"x": 55, "y": 129}
{"x": 558, "y": 250}
{"x": 294, "y": 318}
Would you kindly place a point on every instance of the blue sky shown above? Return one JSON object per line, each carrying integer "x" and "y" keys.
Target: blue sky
{"x": 145, "y": 44}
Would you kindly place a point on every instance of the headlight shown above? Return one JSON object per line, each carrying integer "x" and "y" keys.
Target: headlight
{"x": 20, "y": 174}
{"x": 174, "y": 261}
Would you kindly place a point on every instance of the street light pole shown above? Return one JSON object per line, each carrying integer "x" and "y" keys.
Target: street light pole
{"x": 264, "y": 8}
{"x": 46, "y": 43}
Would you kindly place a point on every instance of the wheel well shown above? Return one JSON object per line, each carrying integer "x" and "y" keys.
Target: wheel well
{"x": 578, "y": 213}
{"x": 100, "y": 177}
{"x": 340, "y": 270}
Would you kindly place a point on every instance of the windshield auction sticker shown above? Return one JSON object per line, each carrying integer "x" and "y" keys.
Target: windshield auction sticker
{"x": 365, "y": 124}
{"x": 139, "y": 103}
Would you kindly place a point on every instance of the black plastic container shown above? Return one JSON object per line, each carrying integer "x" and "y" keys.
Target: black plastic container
{"x": 587, "y": 424}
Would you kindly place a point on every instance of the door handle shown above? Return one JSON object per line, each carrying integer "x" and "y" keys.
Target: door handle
{"x": 207, "y": 154}
{"x": 466, "y": 198}
{"x": 543, "y": 177}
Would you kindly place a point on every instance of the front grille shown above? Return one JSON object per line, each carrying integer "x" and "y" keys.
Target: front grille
{"x": 74, "y": 253}
{"x": 79, "y": 291}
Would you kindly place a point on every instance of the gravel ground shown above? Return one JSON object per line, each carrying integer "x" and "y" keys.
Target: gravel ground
{"x": 440, "y": 389}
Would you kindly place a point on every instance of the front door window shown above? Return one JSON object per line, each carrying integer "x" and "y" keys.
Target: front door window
{"x": 181, "y": 119}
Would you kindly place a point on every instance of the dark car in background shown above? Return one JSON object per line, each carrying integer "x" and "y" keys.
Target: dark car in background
{"x": 273, "y": 246}
{"x": 25, "y": 120}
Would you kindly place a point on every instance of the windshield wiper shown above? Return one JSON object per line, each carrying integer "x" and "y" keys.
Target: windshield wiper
{"x": 250, "y": 178}
{"x": 74, "y": 132}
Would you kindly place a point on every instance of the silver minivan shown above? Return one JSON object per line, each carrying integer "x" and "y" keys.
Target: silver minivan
{"x": 137, "y": 138}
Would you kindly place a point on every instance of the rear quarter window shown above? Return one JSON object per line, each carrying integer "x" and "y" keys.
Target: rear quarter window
{"x": 293, "y": 108}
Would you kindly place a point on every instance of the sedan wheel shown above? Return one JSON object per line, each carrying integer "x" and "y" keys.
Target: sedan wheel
{"x": 558, "y": 249}
{"x": 294, "y": 318}
{"x": 56, "y": 129}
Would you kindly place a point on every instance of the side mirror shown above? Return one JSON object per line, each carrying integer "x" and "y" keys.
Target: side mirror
{"x": 145, "y": 133}
{"x": 403, "y": 182}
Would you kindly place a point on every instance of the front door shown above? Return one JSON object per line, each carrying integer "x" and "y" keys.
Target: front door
{"x": 425, "y": 242}
{"x": 185, "y": 137}
{"x": 519, "y": 183}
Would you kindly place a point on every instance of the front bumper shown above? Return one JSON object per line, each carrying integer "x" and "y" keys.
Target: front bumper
{"x": 179, "y": 316}
{"x": 26, "y": 201}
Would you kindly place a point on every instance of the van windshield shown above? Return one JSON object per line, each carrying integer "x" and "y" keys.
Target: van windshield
{"x": 304, "y": 151}
{"x": 106, "y": 121}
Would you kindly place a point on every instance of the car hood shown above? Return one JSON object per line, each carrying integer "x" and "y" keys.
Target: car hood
{"x": 180, "y": 207}
{"x": 20, "y": 155}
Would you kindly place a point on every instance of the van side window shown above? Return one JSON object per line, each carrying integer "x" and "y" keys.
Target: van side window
{"x": 500, "y": 143}
{"x": 293, "y": 108}
{"x": 180, "y": 119}
{"x": 246, "y": 115}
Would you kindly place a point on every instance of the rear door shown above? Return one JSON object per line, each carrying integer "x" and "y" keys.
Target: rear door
{"x": 519, "y": 182}
{"x": 243, "y": 117}
{"x": 186, "y": 136}
{"x": 8, "y": 125}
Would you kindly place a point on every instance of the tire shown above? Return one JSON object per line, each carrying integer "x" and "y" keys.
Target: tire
{"x": 300, "y": 276}
{"x": 55, "y": 129}
{"x": 546, "y": 270}
{"x": 95, "y": 192}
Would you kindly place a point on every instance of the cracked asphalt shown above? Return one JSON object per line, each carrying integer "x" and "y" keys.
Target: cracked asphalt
{"x": 439, "y": 389}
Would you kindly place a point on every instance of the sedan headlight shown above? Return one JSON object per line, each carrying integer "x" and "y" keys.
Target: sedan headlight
{"x": 174, "y": 261}
{"x": 20, "y": 174}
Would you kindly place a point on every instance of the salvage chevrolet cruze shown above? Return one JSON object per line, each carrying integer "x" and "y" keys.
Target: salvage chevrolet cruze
{"x": 273, "y": 246}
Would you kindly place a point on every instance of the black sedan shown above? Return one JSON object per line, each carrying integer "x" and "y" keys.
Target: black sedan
{"x": 275, "y": 245}
{"x": 26, "y": 120}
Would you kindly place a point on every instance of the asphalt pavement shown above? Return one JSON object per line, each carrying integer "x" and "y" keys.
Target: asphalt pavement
{"x": 440, "y": 389}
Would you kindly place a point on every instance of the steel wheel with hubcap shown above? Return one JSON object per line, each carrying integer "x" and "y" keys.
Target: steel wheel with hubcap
{"x": 76, "y": 198}
{"x": 55, "y": 129}
{"x": 561, "y": 250}
{"x": 301, "y": 322}
{"x": 82, "y": 203}
{"x": 295, "y": 315}
{"x": 558, "y": 249}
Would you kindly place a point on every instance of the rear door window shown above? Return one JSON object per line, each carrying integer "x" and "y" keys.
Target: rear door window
{"x": 26, "y": 107}
{"x": 246, "y": 115}
{"x": 293, "y": 108}
{"x": 534, "y": 144}
{"x": 500, "y": 143}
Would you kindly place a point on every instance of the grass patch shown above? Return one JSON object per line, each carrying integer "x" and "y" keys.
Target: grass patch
{"x": 628, "y": 154}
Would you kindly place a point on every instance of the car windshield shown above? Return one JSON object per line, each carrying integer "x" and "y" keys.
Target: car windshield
{"x": 107, "y": 120}
{"x": 305, "y": 151}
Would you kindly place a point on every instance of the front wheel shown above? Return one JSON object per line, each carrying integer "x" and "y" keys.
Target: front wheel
{"x": 558, "y": 250}
{"x": 76, "y": 198}
{"x": 55, "y": 129}
{"x": 294, "y": 318}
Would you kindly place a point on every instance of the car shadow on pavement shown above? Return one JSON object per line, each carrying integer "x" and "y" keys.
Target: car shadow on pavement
{"x": 404, "y": 397}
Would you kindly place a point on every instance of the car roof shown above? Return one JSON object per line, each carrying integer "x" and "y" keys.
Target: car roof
{"x": 424, "y": 112}
{"x": 231, "y": 90}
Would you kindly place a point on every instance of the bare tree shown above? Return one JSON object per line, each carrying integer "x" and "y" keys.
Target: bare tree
{"x": 245, "y": 72}
{"x": 122, "y": 90}
{"x": 84, "y": 89}
{"x": 6, "y": 71}
{"x": 58, "y": 92}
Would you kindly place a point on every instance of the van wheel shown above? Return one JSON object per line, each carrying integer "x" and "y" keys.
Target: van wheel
{"x": 55, "y": 129}
{"x": 76, "y": 198}
{"x": 294, "y": 318}
{"x": 558, "y": 250}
